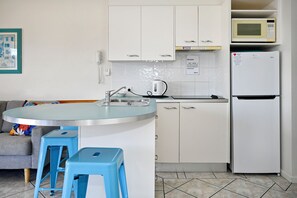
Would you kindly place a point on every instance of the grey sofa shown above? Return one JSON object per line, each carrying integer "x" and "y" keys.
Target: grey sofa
{"x": 19, "y": 152}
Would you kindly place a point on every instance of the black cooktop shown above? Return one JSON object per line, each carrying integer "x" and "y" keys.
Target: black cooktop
{"x": 195, "y": 97}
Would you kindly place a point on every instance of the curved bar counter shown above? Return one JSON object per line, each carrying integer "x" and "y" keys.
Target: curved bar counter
{"x": 131, "y": 128}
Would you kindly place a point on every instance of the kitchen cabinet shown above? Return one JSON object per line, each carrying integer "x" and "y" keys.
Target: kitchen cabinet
{"x": 210, "y": 25}
{"x": 157, "y": 33}
{"x": 124, "y": 33}
{"x": 204, "y": 135}
{"x": 186, "y": 27}
{"x": 198, "y": 25}
{"x": 167, "y": 133}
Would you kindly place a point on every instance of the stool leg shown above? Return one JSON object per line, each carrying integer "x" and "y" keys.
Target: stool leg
{"x": 67, "y": 184}
{"x": 111, "y": 183}
{"x": 41, "y": 159}
{"x": 123, "y": 182}
{"x": 82, "y": 186}
{"x": 54, "y": 164}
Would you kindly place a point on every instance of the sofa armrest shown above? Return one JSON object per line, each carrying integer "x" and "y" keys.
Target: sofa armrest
{"x": 36, "y": 135}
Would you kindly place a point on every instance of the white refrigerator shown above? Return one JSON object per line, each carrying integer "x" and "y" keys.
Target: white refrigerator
{"x": 255, "y": 89}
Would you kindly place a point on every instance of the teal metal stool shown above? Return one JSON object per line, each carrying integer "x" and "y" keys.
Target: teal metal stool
{"x": 55, "y": 141}
{"x": 108, "y": 162}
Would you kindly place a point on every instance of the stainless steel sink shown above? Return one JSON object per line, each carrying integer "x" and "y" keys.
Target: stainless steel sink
{"x": 139, "y": 102}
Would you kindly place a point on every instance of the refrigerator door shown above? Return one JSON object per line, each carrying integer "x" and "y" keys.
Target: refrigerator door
{"x": 255, "y": 73}
{"x": 256, "y": 135}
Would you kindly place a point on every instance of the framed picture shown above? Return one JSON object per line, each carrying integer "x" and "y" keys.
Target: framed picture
{"x": 11, "y": 51}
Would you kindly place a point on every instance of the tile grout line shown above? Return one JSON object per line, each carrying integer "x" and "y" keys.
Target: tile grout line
{"x": 266, "y": 191}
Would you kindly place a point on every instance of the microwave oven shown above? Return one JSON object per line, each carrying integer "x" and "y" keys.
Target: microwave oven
{"x": 253, "y": 30}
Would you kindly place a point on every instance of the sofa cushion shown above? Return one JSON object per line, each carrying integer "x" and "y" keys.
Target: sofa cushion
{"x": 2, "y": 108}
{"x": 7, "y": 126}
{"x": 15, "y": 145}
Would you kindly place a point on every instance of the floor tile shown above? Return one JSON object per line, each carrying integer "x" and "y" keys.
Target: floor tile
{"x": 246, "y": 188}
{"x": 218, "y": 182}
{"x": 167, "y": 175}
{"x": 199, "y": 188}
{"x": 260, "y": 179}
{"x": 278, "y": 194}
{"x": 181, "y": 175}
{"x": 276, "y": 187}
{"x": 226, "y": 194}
{"x": 25, "y": 194}
{"x": 159, "y": 194}
{"x": 282, "y": 182}
{"x": 159, "y": 184}
{"x": 199, "y": 175}
{"x": 177, "y": 194}
{"x": 167, "y": 188}
{"x": 175, "y": 182}
{"x": 228, "y": 175}
{"x": 293, "y": 187}
{"x": 12, "y": 182}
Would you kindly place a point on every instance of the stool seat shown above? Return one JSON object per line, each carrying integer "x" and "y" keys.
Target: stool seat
{"x": 54, "y": 141}
{"x": 108, "y": 162}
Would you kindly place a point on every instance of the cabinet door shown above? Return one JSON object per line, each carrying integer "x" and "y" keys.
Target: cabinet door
{"x": 186, "y": 26}
{"x": 157, "y": 33}
{"x": 210, "y": 25}
{"x": 204, "y": 134}
{"x": 124, "y": 33}
{"x": 167, "y": 133}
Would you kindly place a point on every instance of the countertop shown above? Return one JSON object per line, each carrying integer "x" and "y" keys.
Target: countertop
{"x": 79, "y": 114}
{"x": 169, "y": 99}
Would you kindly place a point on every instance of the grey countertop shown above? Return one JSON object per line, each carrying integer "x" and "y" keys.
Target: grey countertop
{"x": 79, "y": 114}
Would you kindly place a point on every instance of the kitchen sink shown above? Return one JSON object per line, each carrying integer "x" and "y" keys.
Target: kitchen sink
{"x": 139, "y": 102}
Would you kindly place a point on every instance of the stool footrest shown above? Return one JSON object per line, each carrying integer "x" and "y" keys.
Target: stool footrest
{"x": 44, "y": 189}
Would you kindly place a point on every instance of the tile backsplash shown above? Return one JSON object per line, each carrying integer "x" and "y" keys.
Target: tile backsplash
{"x": 139, "y": 75}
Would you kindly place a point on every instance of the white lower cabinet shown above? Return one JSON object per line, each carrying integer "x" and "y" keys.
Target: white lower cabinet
{"x": 192, "y": 133}
{"x": 204, "y": 134}
{"x": 167, "y": 133}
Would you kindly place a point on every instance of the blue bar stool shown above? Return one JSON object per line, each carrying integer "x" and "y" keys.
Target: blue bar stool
{"x": 108, "y": 162}
{"x": 55, "y": 141}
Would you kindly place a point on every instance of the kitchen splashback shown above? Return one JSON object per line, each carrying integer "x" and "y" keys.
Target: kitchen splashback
{"x": 139, "y": 75}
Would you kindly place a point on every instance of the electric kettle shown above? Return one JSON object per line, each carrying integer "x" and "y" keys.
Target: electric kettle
{"x": 159, "y": 87}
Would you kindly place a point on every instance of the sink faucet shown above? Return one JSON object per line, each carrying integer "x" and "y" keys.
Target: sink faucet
{"x": 110, "y": 93}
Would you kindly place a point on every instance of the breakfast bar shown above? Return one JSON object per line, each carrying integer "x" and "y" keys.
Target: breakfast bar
{"x": 129, "y": 125}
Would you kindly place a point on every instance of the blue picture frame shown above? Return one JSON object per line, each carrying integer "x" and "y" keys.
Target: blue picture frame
{"x": 10, "y": 50}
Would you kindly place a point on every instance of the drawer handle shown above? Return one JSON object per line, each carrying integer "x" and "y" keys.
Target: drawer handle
{"x": 156, "y": 157}
{"x": 156, "y": 116}
{"x": 170, "y": 108}
{"x": 207, "y": 41}
{"x": 156, "y": 137}
{"x": 191, "y": 41}
{"x": 132, "y": 55}
{"x": 165, "y": 55}
{"x": 189, "y": 107}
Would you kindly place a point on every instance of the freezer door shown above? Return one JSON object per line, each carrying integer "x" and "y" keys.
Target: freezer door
{"x": 256, "y": 135}
{"x": 255, "y": 73}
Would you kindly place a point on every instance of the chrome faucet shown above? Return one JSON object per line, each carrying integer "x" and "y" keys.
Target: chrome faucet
{"x": 110, "y": 93}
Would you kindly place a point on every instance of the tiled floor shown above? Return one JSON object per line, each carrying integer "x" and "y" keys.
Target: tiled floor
{"x": 175, "y": 185}
{"x": 222, "y": 185}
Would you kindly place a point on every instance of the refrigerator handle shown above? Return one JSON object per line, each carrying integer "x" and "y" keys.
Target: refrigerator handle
{"x": 256, "y": 97}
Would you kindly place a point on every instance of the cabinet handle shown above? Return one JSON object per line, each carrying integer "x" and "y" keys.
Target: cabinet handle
{"x": 165, "y": 55}
{"x": 156, "y": 137}
{"x": 156, "y": 116}
{"x": 156, "y": 157}
{"x": 189, "y": 107}
{"x": 207, "y": 41}
{"x": 170, "y": 108}
{"x": 132, "y": 55}
{"x": 191, "y": 41}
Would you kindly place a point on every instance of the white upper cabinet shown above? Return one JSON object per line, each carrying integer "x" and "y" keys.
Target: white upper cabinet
{"x": 124, "y": 33}
{"x": 186, "y": 25}
{"x": 210, "y": 25}
{"x": 157, "y": 33}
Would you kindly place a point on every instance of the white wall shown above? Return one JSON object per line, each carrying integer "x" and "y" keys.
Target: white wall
{"x": 60, "y": 40}
{"x": 289, "y": 92}
{"x": 294, "y": 89}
